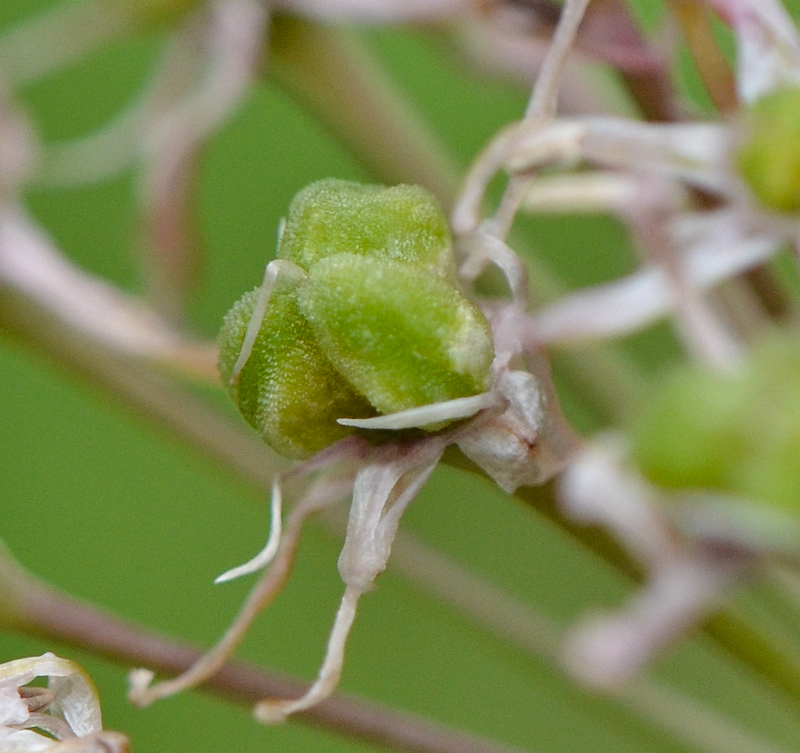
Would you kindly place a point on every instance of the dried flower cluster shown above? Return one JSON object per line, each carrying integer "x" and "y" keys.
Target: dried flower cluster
{"x": 64, "y": 716}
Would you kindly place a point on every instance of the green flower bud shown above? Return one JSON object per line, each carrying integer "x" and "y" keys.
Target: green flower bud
{"x": 404, "y": 223}
{"x": 769, "y": 158}
{"x": 289, "y": 391}
{"x": 690, "y": 433}
{"x": 364, "y": 318}
{"x": 737, "y": 433}
{"x": 402, "y": 336}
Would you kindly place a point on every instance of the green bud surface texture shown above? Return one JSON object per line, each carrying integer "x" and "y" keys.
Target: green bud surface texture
{"x": 377, "y": 324}
{"x": 403, "y": 336}
{"x": 404, "y": 223}
{"x": 289, "y": 391}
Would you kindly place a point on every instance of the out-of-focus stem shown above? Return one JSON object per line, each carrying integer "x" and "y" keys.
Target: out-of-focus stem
{"x": 648, "y": 82}
{"x": 700, "y": 727}
{"x": 543, "y": 499}
{"x": 340, "y": 83}
{"x": 53, "y": 39}
{"x": 608, "y": 383}
{"x": 218, "y": 68}
{"x": 30, "y": 606}
{"x": 525, "y": 628}
{"x": 152, "y": 396}
{"x": 716, "y": 74}
{"x": 202, "y": 428}
{"x": 785, "y": 582}
{"x": 33, "y": 269}
{"x": 752, "y": 647}
{"x": 337, "y": 79}
{"x": 747, "y": 643}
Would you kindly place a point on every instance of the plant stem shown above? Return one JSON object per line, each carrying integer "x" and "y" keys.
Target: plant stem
{"x": 333, "y": 75}
{"x": 712, "y": 67}
{"x": 40, "y": 45}
{"x": 525, "y": 628}
{"x": 743, "y": 641}
{"x": 197, "y": 425}
{"x": 165, "y": 404}
{"x": 41, "y": 611}
{"x": 342, "y": 85}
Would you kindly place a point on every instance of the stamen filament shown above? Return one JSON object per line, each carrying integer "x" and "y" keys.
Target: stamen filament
{"x": 275, "y": 269}
{"x": 267, "y": 554}
{"x": 270, "y": 585}
{"x": 272, "y": 711}
{"x": 447, "y": 410}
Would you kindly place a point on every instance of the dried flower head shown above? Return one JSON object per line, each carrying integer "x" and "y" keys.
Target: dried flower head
{"x": 63, "y": 717}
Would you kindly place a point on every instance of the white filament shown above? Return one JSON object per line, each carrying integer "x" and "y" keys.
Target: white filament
{"x": 448, "y": 410}
{"x": 266, "y": 555}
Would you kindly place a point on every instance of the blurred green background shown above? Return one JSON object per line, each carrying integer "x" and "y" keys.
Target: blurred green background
{"x": 101, "y": 504}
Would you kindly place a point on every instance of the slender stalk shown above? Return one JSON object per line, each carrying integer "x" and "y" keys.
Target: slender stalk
{"x": 542, "y": 107}
{"x": 48, "y": 41}
{"x": 217, "y": 58}
{"x": 784, "y": 582}
{"x": 752, "y": 646}
{"x": 525, "y": 628}
{"x": 544, "y": 99}
{"x": 333, "y": 75}
{"x": 712, "y": 67}
{"x": 543, "y": 499}
{"x": 747, "y": 643}
{"x": 46, "y": 613}
{"x": 154, "y": 397}
{"x": 774, "y": 606}
{"x": 199, "y": 426}
{"x": 690, "y": 721}
{"x": 337, "y": 80}
{"x": 649, "y": 82}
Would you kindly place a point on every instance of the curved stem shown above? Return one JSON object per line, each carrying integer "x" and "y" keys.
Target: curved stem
{"x": 712, "y": 67}
{"x": 264, "y": 592}
{"x": 48, "y": 41}
{"x": 527, "y": 629}
{"x": 335, "y": 77}
{"x": 51, "y": 615}
{"x": 745, "y": 642}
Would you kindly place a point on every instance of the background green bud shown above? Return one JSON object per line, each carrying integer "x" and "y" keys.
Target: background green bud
{"x": 364, "y": 318}
{"x": 404, "y": 223}
{"x": 690, "y": 434}
{"x": 288, "y": 390}
{"x": 737, "y": 433}
{"x": 769, "y": 157}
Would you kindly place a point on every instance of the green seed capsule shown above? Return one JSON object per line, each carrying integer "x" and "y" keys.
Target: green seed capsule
{"x": 364, "y": 318}
{"x": 402, "y": 336}
{"x": 289, "y": 391}
{"x": 737, "y": 433}
{"x": 404, "y": 223}
{"x": 690, "y": 435}
{"x": 769, "y": 158}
